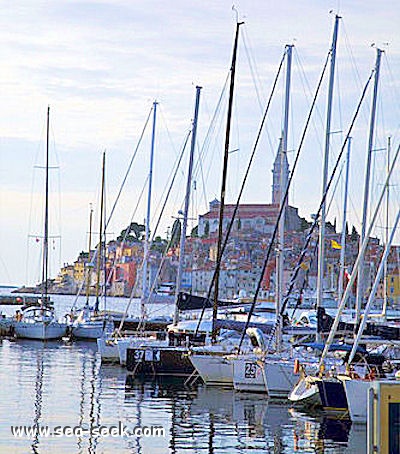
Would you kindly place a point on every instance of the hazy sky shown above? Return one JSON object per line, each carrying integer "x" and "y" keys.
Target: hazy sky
{"x": 101, "y": 64}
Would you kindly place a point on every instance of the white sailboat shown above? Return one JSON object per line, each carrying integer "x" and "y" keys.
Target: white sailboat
{"x": 89, "y": 324}
{"x": 164, "y": 356}
{"x": 357, "y": 389}
{"x": 331, "y": 386}
{"x": 39, "y": 322}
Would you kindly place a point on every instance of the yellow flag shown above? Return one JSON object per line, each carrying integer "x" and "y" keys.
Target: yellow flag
{"x": 335, "y": 245}
{"x": 304, "y": 266}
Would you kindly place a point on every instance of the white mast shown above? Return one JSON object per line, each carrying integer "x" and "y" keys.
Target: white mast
{"x": 147, "y": 231}
{"x": 356, "y": 266}
{"x": 283, "y": 185}
{"x": 321, "y": 249}
{"x": 373, "y": 290}
{"x": 360, "y": 280}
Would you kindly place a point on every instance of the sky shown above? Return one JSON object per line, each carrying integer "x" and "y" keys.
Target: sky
{"x": 100, "y": 65}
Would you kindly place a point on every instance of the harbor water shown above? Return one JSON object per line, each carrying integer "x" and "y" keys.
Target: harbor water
{"x": 58, "y": 385}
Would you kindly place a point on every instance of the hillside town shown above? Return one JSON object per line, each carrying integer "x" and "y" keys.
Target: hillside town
{"x": 242, "y": 262}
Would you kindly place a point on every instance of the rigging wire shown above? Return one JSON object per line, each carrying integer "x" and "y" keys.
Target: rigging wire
{"x": 331, "y": 179}
{"x": 272, "y": 239}
{"x": 241, "y": 190}
{"x": 129, "y": 168}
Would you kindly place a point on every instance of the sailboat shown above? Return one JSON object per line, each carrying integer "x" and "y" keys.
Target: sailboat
{"x": 165, "y": 356}
{"x": 90, "y": 324}
{"x": 330, "y": 385}
{"x": 39, "y": 322}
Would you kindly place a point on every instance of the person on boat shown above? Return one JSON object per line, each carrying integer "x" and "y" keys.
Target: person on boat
{"x": 96, "y": 307}
{"x": 352, "y": 373}
{"x": 86, "y": 312}
{"x": 18, "y": 316}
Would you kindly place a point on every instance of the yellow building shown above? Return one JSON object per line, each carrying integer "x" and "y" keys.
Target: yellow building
{"x": 79, "y": 272}
{"x": 393, "y": 286}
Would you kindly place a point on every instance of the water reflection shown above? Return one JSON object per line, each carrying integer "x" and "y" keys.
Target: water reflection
{"x": 321, "y": 432}
{"x": 60, "y": 384}
{"x": 210, "y": 419}
{"x": 38, "y": 398}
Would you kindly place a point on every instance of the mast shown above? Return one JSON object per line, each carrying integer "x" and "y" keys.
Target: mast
{"x": 283, "y": 203}
{"x": 186, "y": 208}
{"x": 385, "y": 283}
{"x": 343, "y": 236}
{"x": 223, "y": 185}
{"x": 361, "y": 252}
{"x": 147, "y": 232}
{"x": 100, "y": 246}
{"x": 374, "y": 289}
{"x": 89, "y": 264}
{"x": 360, "y": 280}
{"x": 321, "y": 249}
{"x": 45, "y": 269}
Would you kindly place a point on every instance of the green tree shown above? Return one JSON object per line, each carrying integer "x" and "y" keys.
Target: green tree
{"x": 195, "y": 232}
{"x": 134, "y": 232}
{"x": 304, "y": 225}
{"x": 159, "y": 245}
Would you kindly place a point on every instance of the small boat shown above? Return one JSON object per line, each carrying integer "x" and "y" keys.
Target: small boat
{"x": 88, "y": 325}
{"x": 39, "y": 322}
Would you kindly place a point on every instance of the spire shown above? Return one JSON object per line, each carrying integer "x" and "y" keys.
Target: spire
{"x": 276, "y": 173}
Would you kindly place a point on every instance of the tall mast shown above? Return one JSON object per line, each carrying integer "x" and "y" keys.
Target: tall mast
{"x": 186, "y": 208}
{"x": 283, "y": 184}
{"x": 45, "y": 270}
{"x": 343, "y": 236}
{"x": 360, "y": 280}
{"x": 223, "y": 185}
{"x": 89, "y": 263}
{"x": 147, "y": 232}
{"x": 100, "y": 246}
{"x": 321, "y": 249}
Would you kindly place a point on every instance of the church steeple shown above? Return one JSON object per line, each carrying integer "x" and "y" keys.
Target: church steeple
{"x": 276, "y": 173}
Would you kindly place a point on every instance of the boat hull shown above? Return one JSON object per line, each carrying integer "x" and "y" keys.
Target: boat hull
{"x": 40, "y": 330}
{"x": 134, "y": 342}
{"x": 333, "y": 395}
{"x": 108, "y": 349}
{"x": 88, "y": 330}
{"x": 248, "y": 375}
{"x": 357, "y": 398}
{"x": 159, "y": 361}
{"x": 280, "y": 378}
{"x": 213, "y": 369}
{"x": 305, "y": 394}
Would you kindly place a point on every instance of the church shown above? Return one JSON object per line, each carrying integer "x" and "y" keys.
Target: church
{"x": 259, "y": 218}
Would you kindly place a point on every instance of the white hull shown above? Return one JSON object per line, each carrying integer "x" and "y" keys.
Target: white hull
{"x": 40, "y": 330}
{"x": 88, "y": 330}
{"x": 214, "y": 369}
{"x": 248, "y": 375}
{"x": 357, "y": 399}
{"x": 280, "y": 378}
{"x": 305, "y": 394}
{"x": 108, "y": 349}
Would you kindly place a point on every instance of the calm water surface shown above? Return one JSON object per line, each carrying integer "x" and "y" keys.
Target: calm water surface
{"x": 58, "y": 384}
